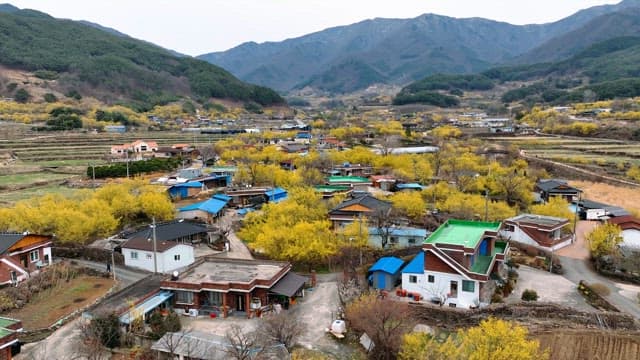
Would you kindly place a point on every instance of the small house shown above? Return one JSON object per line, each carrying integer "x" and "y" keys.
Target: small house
{"x": 385, "y": 273}
{"x": 398, "y": 237}
{"x": 360, "y": 206}
{"x": 355, "y": 182}
{"x": 207, "y": 211}
{"x": 542, "y": 232}
{"x": 548, "y": 188}
{"x": 9, "y": 342}
{"x": 22, "y": 255}
{"x": 276, "y": 195}
{"x": 593, "y": 210}
{"x": 383, "y": 182}
{"x": 348, "y": 169}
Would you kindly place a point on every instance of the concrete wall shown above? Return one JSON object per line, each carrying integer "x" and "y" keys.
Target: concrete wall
{"x": 417, "y": 287}
{"x": 441, "y": 287}
{"x": 166, "y": 260}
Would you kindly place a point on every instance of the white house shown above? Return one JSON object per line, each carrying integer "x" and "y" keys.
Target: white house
{"x": 542, "y": 232}
{"x": 170, "y": 255}
{"x": 397, "y": 236}
{"x": 458, "y": 262}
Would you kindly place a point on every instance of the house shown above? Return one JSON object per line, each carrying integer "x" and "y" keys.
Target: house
{"x": 383, "y": 182}
{"x": 413, "y": 275}
{"x": 185, "y": 190}
{"x": 173, "y": 245}
{"x": 214, "y": 181}
{"x": 9, "y": 343}
{"x": 355, "y": 182}
{"x": 293, "y": 147}
{"x": 197, "y": 345}
{"x": 207, "y": 211}
{"x": 190, "y": 173}
{"x": 360, "y": 206}
{"x": 22, "y": 255}
{"x": 224, "y": 286}
{"x": 461, "y": 258}
{"x": 138, "y": 148}
{"x": 329, "y": 191}
{"x": 593, "y": 210}
{"x": 385, "y": 273}
{"x": 348, "y": 169}
{"x": 630, "y": 227}
{"x": 176, "y": 150}
{"x": 542, "y": 232}
{"x": 556, "y": 187}
{"x": 396, "y": 236}
{"x": 303, "y": 137}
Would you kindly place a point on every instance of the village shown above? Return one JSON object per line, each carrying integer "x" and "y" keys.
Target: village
{"x": 278, "y": 234}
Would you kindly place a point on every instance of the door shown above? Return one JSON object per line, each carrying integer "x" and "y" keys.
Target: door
{"x": 24, "y": 261}
{"x": 240, "y": 303}
{"x": 484, "y": 247}
{"x": 453, "y": 289}
{"x": 381, "y": 280}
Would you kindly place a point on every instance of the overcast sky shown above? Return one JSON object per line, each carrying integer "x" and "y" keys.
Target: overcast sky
{"x": 195, "y": 27}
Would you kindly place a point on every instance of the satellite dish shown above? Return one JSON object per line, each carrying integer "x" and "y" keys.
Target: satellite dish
{"x": 174, "y": 276}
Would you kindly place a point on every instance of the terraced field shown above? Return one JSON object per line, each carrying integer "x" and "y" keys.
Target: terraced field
{"x": 34, "y": 164}
{"x": 605, "y": 156}
{"x": 590, "y": 345}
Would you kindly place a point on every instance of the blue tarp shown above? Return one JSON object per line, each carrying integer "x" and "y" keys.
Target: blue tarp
{"x": 212, "y": 206}
{"x": 145, "y": 307}
{"x": 389, "y": 264}
{"x": 415, "y": 266}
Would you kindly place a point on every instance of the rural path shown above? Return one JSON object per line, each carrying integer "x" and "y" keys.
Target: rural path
{"x": 125, "y": 275}
{"x": 237, "y": 248}
{"x": 576, "y": 266}
{"x": 317, "y": 310}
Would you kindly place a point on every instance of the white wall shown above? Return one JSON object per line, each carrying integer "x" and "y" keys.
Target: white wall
{"x": 47, "y": 251}
{"x": 441, "y": 285}
{"x": 631, "y": 239}
{"x": 166, "y": 261}
{"x": 521, "y": 237}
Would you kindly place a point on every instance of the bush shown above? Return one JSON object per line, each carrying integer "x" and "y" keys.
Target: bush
{"x": 600, "y": 289}
{"x": 50, "y": 98}
{"x": 22, "y": 96}
{"x": 496, "y": 298}
{"x": 529, "y": 295}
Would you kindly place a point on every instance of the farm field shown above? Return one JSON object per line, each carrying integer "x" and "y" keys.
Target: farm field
{"x": 49, "y": 306}
{"x": 590, "y": 345}
{"x": 33, "y": 164}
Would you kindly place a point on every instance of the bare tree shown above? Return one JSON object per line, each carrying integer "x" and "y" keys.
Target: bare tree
{"x": 438, "y": 290}
{"x": 385, "y": 222}
{"x": 384, "y": 321}
{"x": 179, "y": 343}
{"x": 94, "y": 335}
{"x": 282, "y": 328}
{"x": 243, "y": 345}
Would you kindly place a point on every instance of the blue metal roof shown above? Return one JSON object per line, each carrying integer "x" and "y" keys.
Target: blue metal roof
{"x": 145, "y": 307}
{"x": 400, "y": 231}
{"x": 212, "y": 206}
{"x": 410, "y": 186}
{"x": 389, "y": 264}
{"x": 416, "y": 265}
{"x": 275, "y": 192}
{"x": 190, "y": 184}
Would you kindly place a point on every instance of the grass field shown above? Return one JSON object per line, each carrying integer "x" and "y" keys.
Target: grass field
{"x": 628, "y": 198}
{"x": 29, "y": 178}
{"x": 47, "y": 307}
{"x": 10, "y": 197}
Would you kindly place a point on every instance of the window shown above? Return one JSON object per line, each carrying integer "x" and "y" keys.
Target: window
{"x": 431, "y": 278}
{"x": 412, "y": 241}
{"x": 134, "y": 255}
{"x": 394, "y": 240}
{"x": 34, "y": 256}
{"x": 184, "y": 297}
{"x": 176, "y": 257}
{"x": 453, "y": 289}
{"x": 149, "y": 256}
{"x": 468, "y": 286}
{"x": 215, "y": 298}
{"x": 413, "y": 279}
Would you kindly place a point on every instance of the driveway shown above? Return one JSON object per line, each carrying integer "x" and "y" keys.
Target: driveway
{"x": 550, "y": 288}
{"x": 237, "y": 248}
{"x": 125, "y": 275}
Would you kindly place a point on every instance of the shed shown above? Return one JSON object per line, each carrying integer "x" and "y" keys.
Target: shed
{"x": 409, "y": 186}
{"x": 276, "y": 195}
{"x": 184, "y": 190}
{"x": 385, "y": 273}
{"x": 205, "y": 210}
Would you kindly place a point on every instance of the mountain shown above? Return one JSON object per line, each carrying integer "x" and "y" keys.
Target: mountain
{"x": 397, "y": 51}
{"x": 607, "y": 26}
{"x": 604, "y": 70}
{"x": 112, "y": 67}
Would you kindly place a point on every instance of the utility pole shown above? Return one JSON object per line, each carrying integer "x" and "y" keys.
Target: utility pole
{"x": 486, "y": 205}
{"x": 113, "y": 260}
{"x": 127, "y": 152}
{"x": 575, "y": 217}
{"x": 360, "y": 238}
{"x": 155, "y": 254}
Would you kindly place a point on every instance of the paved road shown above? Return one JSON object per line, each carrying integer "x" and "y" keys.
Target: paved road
{"x": 125, "y": 275}
{"x": 576, "y": 266}
{"x": 237, "y": 249}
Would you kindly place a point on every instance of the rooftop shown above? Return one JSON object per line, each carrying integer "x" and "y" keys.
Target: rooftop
{"x": 232, "y": 271}
{"x": 388, "y": 264}
{"x": 348, "y": 179}
{"x": 415, "y": 266}
{"x": 547, "y": 221}
{"x": 461, "y": 232}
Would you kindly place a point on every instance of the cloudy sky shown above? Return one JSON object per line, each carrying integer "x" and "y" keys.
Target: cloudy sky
{"x": 195, "y": 27}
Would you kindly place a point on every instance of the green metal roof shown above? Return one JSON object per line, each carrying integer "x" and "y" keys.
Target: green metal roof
{"x": 6, "y": 322}
{"x": 331, "y": 188}
{"x": 461, "y": 232}
{"x": 351, "y": 179}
